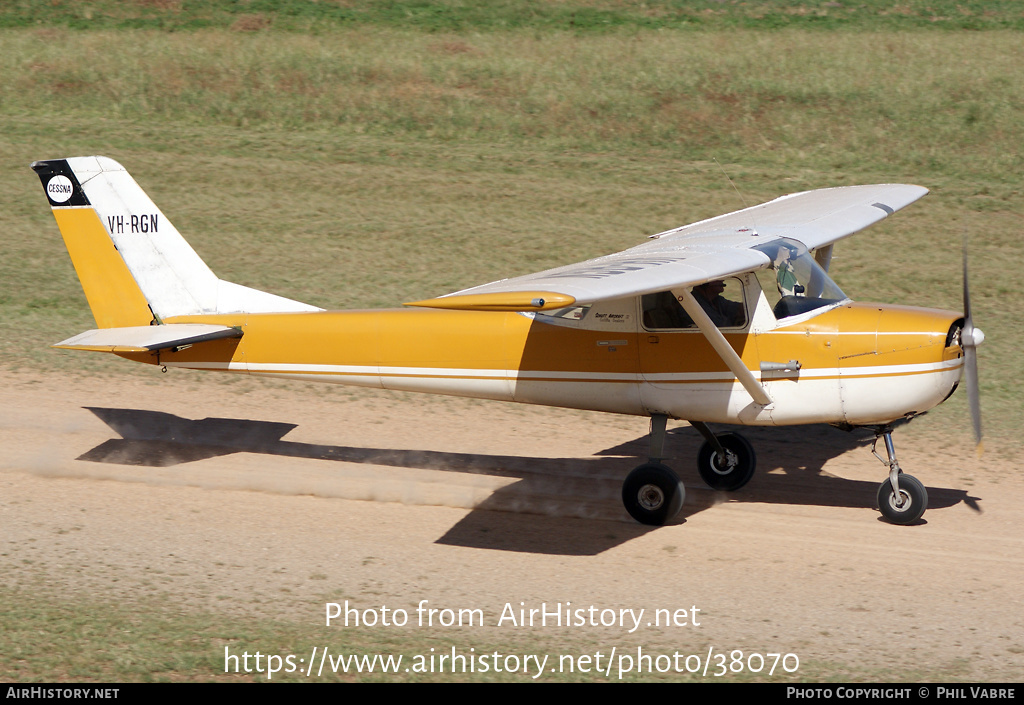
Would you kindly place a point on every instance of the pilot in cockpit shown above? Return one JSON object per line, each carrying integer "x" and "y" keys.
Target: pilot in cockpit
{"x": 720, "y": 310}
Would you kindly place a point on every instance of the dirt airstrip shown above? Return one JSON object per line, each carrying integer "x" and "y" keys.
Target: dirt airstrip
{"x": 254, "y": 498}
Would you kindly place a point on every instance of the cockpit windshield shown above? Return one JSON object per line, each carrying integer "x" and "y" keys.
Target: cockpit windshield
{"x": 795, "y": 283}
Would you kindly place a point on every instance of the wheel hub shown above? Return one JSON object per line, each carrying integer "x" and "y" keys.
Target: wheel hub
{"x": 730, "y": 463}
{"x": 901, "y": 502}
{"x": 650, "y": 497}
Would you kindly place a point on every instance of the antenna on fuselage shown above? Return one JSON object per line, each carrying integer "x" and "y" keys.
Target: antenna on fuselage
{"x": 742, "y": 200}
{"x": 738, "y": 194}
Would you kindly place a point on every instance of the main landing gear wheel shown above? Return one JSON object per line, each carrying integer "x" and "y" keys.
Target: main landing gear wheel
{"x": 911, "y": 504}
{"x": 653, "y": 494}
{"x": 731, "y": 472}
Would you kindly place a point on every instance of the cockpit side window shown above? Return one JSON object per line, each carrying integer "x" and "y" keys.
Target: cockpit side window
{"x": 721, "y": 299}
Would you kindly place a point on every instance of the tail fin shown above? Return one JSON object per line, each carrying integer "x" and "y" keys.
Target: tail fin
{"x": 134, "y": 266}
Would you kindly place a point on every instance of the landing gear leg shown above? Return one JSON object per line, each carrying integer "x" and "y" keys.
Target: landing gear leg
{"x": 659, "y": 426}
{"x": 652, "y": 493}
{"x": 902, "y": 498}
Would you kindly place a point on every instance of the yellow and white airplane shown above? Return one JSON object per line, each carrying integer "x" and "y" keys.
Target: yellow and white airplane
{"x": 731, "y": 320}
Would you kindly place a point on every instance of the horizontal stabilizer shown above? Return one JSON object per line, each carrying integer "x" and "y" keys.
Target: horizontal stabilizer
{"x": 147, "y": 338}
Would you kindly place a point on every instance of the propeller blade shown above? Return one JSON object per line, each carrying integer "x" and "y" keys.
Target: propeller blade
{"x": 970, "y": 338}
{"x": 973, "y": 399}
{"x": 968, "y": 320}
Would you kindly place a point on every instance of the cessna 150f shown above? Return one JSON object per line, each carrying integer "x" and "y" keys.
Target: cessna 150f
{"x": 731, "y": 320}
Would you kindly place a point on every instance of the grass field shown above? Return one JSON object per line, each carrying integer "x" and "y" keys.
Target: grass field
{"x": 364, "y": 154}
{"x": 578, "y": 16}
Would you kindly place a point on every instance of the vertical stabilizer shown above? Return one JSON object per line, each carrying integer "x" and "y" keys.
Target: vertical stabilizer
{"x": 133, "y": 264}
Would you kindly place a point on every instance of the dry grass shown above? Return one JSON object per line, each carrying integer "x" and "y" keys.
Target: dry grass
{"x": 912, "y": 101}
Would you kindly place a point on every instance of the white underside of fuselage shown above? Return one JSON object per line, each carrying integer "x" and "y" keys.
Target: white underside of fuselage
{"x": 855, "y": 395}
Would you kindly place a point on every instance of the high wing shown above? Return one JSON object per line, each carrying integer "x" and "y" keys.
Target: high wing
{"x": 709, "y": 249}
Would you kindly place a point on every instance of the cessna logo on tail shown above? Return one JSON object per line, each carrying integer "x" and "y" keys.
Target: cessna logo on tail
{"x": 59, "y": 189}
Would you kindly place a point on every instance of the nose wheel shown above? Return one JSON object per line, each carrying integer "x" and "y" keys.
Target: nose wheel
{"x": 902, "y": 498}
{"x": 906, "y": 507}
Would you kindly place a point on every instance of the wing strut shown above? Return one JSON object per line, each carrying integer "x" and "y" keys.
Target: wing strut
{"x": 722, "y": 347}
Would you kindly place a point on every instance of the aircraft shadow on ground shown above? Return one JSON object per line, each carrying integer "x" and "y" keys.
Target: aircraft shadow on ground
{"x": 568, "y": 506}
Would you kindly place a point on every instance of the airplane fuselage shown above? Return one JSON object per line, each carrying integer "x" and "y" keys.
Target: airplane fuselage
{"x": 859, "y": 364}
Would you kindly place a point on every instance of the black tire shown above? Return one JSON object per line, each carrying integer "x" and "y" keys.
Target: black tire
{"x": 653, "y": 494}
{"x": 915, "y": 500}
{"x": 724, "y": 476}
